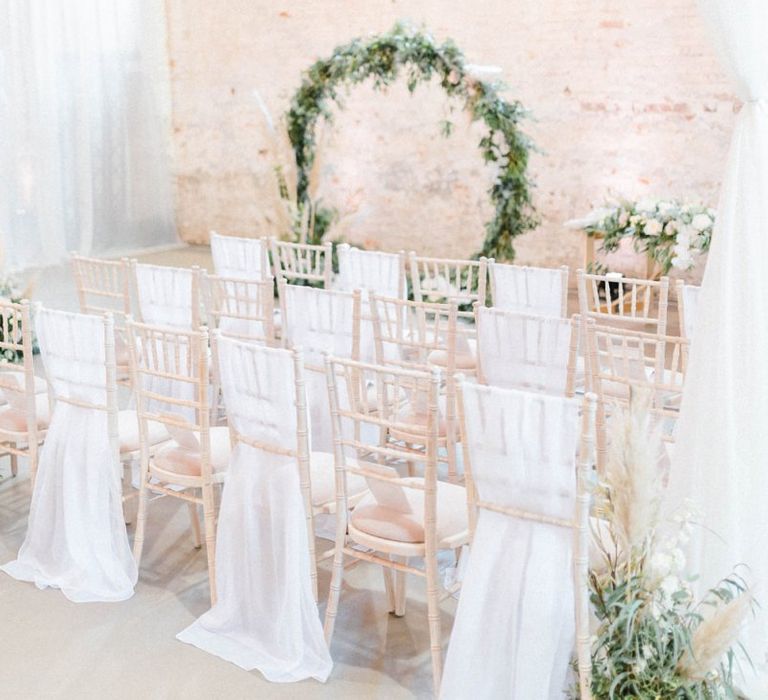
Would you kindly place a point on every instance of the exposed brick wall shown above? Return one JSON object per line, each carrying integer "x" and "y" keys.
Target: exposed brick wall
{"x": 628, "y": 96}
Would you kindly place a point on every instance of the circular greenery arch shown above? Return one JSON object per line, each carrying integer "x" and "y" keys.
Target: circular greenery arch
{"x": 380, "y": 58}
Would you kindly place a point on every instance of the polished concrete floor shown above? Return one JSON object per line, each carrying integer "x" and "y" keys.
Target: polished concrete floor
{"x": 51, "y": 648}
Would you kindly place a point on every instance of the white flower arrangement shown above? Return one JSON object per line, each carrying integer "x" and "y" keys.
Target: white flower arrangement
{"x": 670, "y": 232}
{"x": 10, "y": 290}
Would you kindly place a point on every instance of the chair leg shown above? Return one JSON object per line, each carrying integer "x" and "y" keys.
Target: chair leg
{"x": 400, "y": 581}
{"x": 195, "y": 522}
{"x": 433, "y": 615}
{"x": 389, "y": 588}
{"x": 337, "y": 576}
{"x": 141, "y": 520}
{"x": 34, "y": 456}
{"x": 14, "y": 465}
{"x": 209, "y": 521}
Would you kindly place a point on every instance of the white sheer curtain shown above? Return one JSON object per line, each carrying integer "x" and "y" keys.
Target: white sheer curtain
{"x": 84, "y": 118}
{"x": 266, "y": 617}
{"x": 722, "y": 447}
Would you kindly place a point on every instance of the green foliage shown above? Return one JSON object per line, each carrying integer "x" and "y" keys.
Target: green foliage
{"x": 381, "y": 59}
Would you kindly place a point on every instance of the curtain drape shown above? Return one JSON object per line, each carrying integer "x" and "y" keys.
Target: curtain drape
{"x": 85, "y": 125}
{"x": 721, "y": 451}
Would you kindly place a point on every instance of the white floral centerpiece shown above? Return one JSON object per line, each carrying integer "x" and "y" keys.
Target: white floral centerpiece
{"x": 671, "y": 233}
{"x": 653, "y": 639}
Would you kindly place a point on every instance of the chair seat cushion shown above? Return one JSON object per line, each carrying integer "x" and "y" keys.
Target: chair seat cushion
{"x": 322, "y": 469}
{"x": 14, "y": 419}
{"x": 183, "y": 460}
{"x": 128, "y": 429}
{"x": 16, "y": 377}
{"x": 464, "y": 360}
{"x": 389, "y": 524}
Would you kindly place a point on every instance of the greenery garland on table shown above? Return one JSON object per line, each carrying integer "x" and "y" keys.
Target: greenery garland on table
{"x": 381, "y": 58}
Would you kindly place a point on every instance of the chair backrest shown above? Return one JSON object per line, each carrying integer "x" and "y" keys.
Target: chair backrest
{"x": 612, "y": 299}
{"x": 168, "y": 296}
{"x": 522, "y": 351}
{"x": 242, "y": 309}
{"x": 17, "y": 386}
{"x": 453, "y": 281}
{"x": 302, "y": 261}
{"x": 520, "y": 461}
{"x": 78, "y": 352}
{"x": 370, "y": 400}
{"x": 687, "y": 307}
{"x": 529, "y": 290}
{"x": 242, "y": 258}
{"x": 621, "y": 360}
{"x": 384, "y": 273}
{"x": 170, "y": 378}
{"x": 103, "y": 286}
{"x": 266, "y": 401}
{"x": 320, "y": 321}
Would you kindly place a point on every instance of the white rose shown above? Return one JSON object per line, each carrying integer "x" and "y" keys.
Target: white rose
{"x": 666, "y": 207}
{"x": 670, "y": 228}
{"x": 652, "y": 227}
{"x": 623, "y": 219}
{"x": 701, "y": 222}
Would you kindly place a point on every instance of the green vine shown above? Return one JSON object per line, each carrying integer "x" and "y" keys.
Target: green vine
{"x": 381, "y": 58}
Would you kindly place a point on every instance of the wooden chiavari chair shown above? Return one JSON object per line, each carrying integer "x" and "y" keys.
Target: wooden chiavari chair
{"x": 104, "y": 286}
{"x": 612, "y": 299}
{"x": 522, "y": 351}
{"x": 421, "y": 335}
{"x": 624, "y": 359}
{"x": 302, "y": 262}
{"x": 171, "y": 381}
{"x": 25, "y": 417}
{"x": 319, "y": 322}
{"x": 241, "y": 309}
{"x": 384, "y": 273}
{"x": 525, "y": 494}
{"x": 258, "y": 409}
{"x": 687, "y": 307}
{"x": 242, "y": 258}
{"x": 402, "y": 517}
{"x": 530, "y": 290}
{"x": 449, "y": 281}
{"x": 168, "y": 296}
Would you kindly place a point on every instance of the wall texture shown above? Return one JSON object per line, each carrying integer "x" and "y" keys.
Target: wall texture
{"x": 627, "y": 97}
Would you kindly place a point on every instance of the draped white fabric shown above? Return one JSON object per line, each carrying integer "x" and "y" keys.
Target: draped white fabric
{"x": 76, "y": 539}
{"x": 690, "y": 293}
{"x": 523, "y": 351}
{"x": 722, "y": 446}
{"x": 85, "y": 124}
{"x": 242, "y": 258}
{"x": 532, "y": 290}
{"x": 369, "y": 270}
{"x": 265, "y": 617}
{"x": 514, "y": 630}
{"x": 165, "y": 295}
{"x": 318, "y": 321}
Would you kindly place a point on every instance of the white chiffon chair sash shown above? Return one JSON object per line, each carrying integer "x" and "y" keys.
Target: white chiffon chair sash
{"x": 266, "y": 617}
{"x": 523, "y": 351}
{"x": 533, "y": 290}
{"x": 319, "y": 322}
{"x": 243, "y": 258}
{"x": 76, "y": 539}
{"x": 514, "y": 631}
{"x": 165, "y": 295}
{"x": 690, "y": 299}
{"x": 372, "y": 270}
